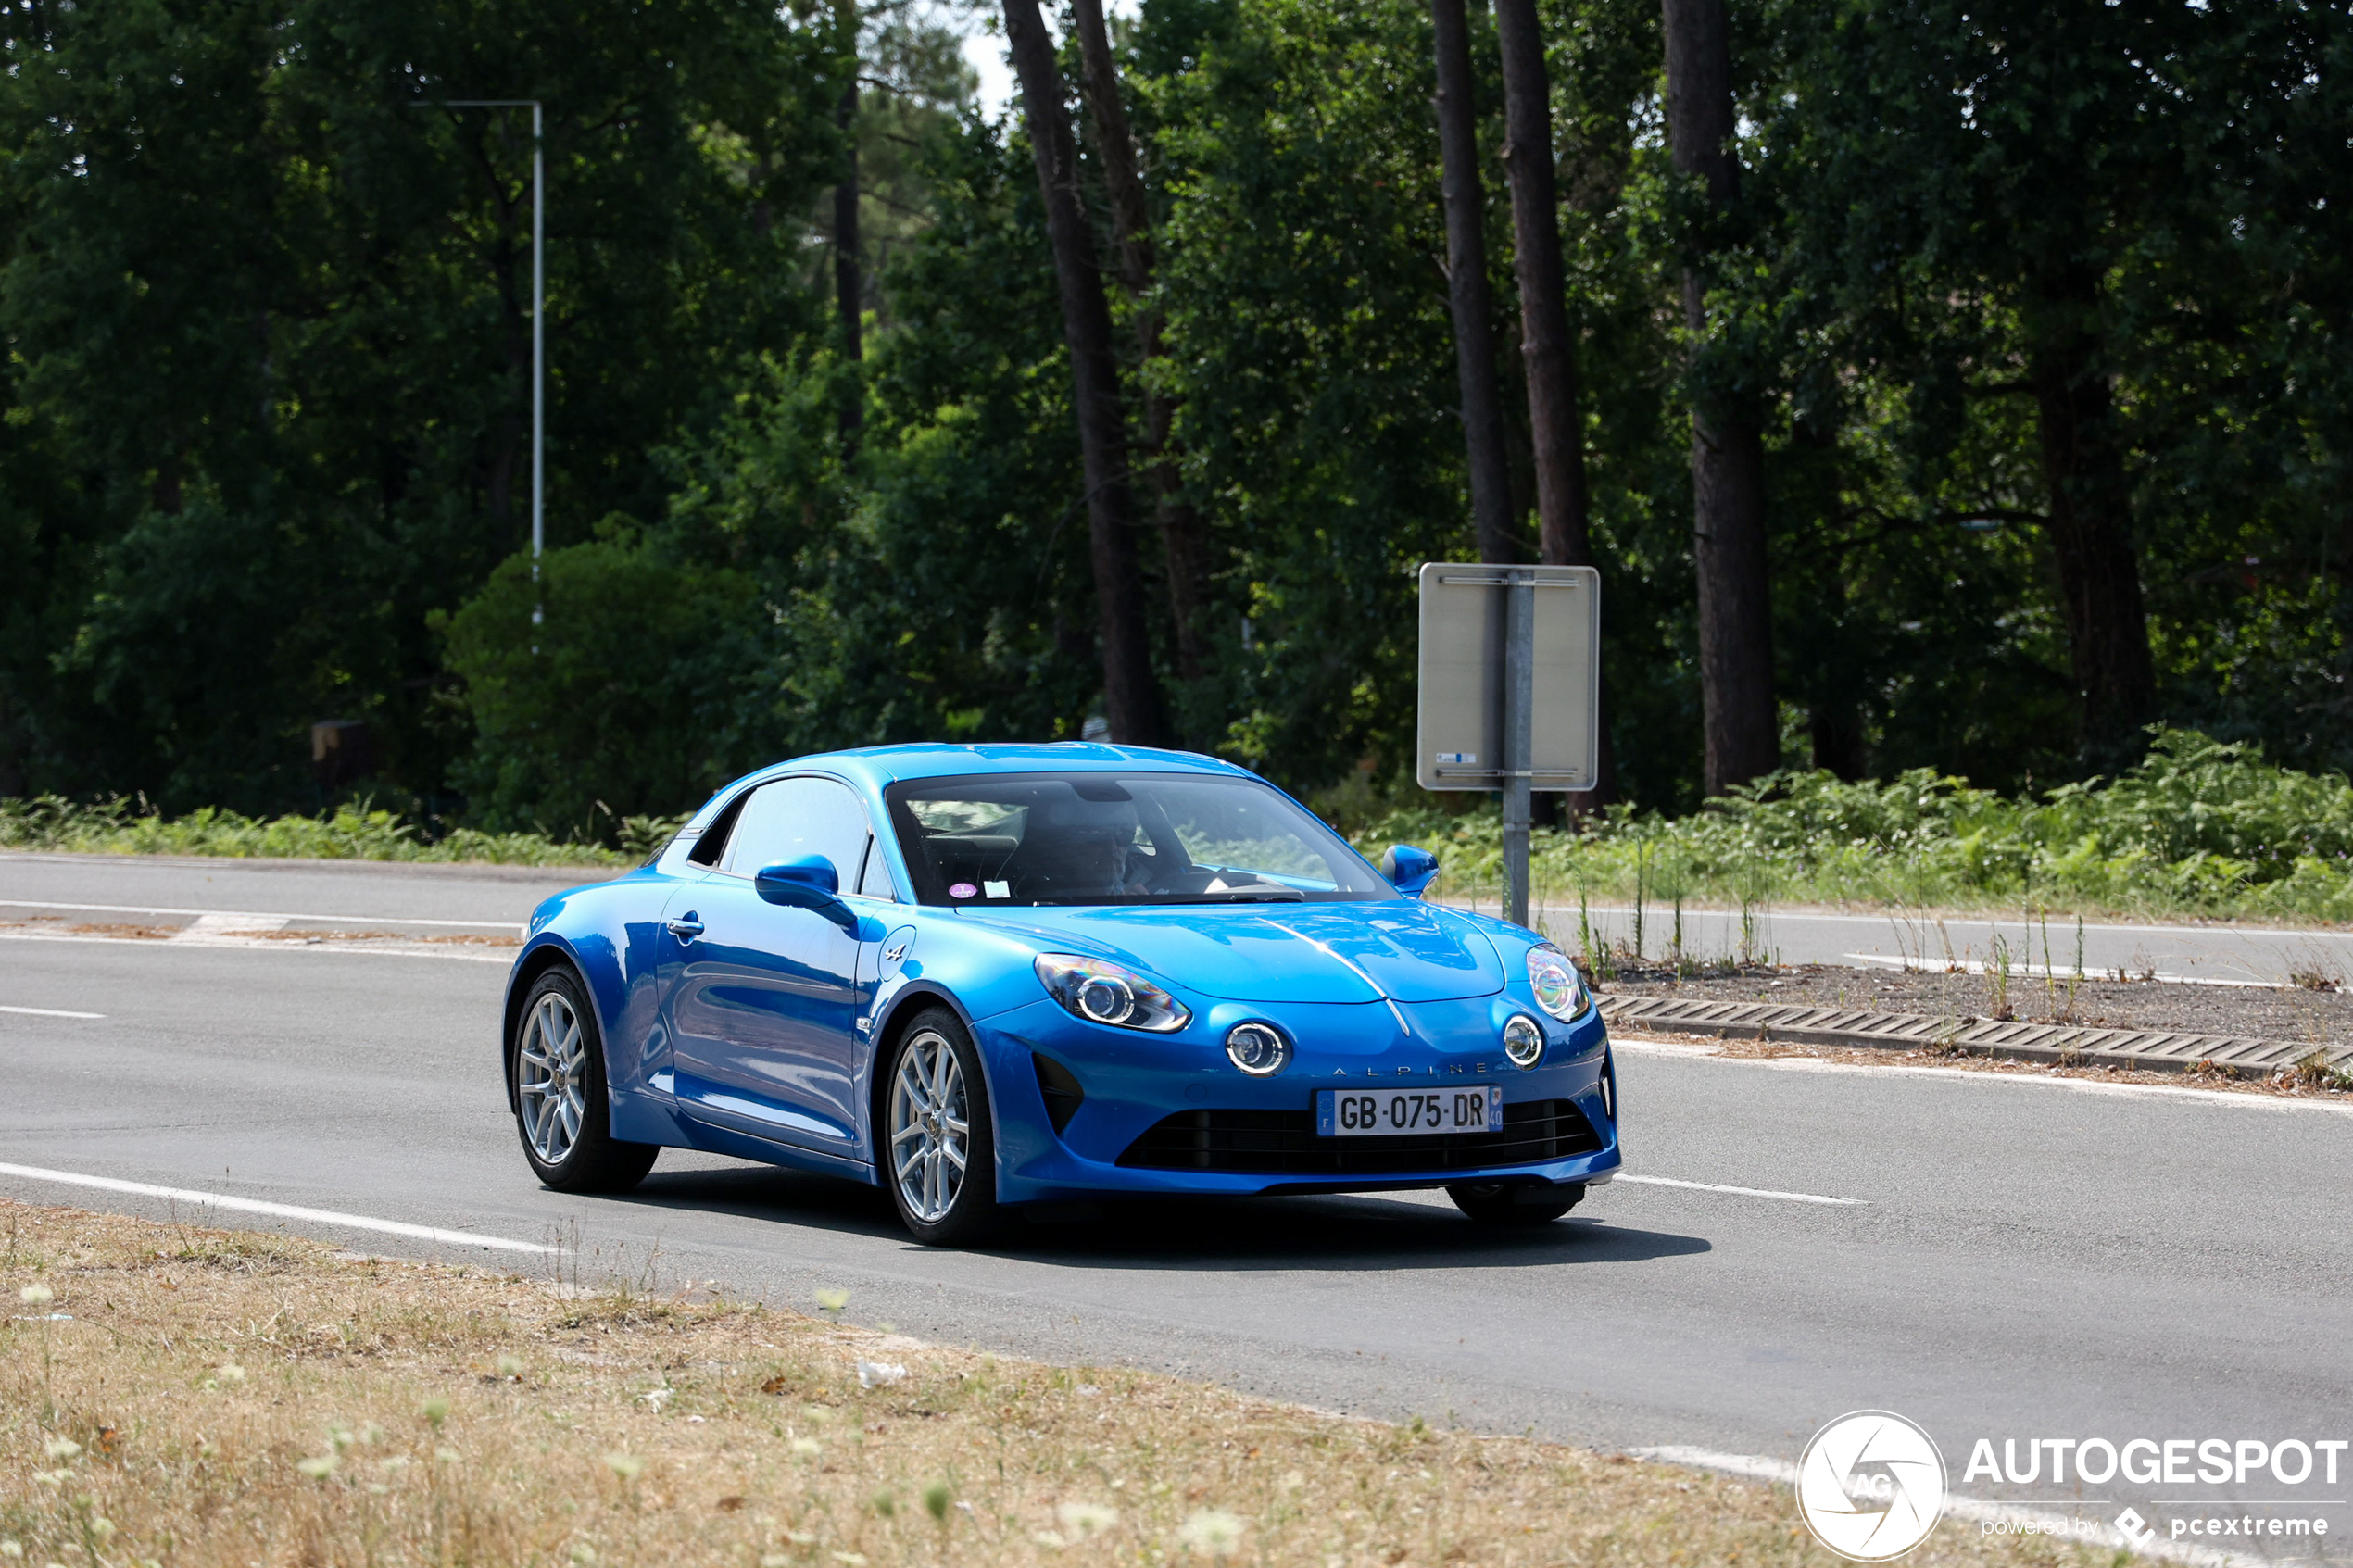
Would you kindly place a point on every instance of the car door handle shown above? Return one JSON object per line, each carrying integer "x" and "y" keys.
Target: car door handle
{"x": 687, "y": 927}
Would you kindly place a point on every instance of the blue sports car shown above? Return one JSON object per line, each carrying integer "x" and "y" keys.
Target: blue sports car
{"x": 983, "y": 977}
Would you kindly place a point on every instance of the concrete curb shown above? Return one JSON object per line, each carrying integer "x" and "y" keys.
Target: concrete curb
{"x": 2147, "y": 1049}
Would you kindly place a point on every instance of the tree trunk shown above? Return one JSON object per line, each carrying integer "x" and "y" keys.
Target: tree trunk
{"x": 1728, "y": 448}
{"x": 1547, "y": 348}
{"x": 1130, "y": 212}
{"x": 1547, "y": 343}
{"x": 849, "y": 296}
{"x": 1131, "y": 696}
{"x": 1131, "y": 226}
{"x": 2091, "y": 522}
{"x": 1466, "y": 284}
{"x": 1741, "y": 722}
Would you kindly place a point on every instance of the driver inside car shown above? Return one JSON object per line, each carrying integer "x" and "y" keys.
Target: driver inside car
{"x": 1077, "y": 847}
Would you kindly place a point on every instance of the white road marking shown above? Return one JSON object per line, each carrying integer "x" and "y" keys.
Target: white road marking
{"x": 52, "y": 1012}
{"x": 505, "y": 955}
{"x": 1747, "y": 1192}
{"x": 1781, "y": 1472}
{"x": 225, "y": 930}
{"x": 2041, "y": 972}
{"x": 1642, "y": 1046}
{"x": 1637, "y": 1046}
{"x": 251, "y": 915}
{"x": 281, "y": 1211}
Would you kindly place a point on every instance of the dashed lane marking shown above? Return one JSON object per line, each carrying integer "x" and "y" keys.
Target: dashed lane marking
{"x": 1745, "y": 1192}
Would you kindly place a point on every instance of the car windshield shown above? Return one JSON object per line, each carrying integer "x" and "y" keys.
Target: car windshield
{"x": 1119, "y": 838}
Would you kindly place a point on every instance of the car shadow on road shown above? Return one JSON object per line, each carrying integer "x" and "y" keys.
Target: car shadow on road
{"x": 1338, "y": 1233}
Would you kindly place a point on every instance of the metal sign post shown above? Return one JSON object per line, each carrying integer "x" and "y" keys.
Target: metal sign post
{"x": 1510, "y": 690}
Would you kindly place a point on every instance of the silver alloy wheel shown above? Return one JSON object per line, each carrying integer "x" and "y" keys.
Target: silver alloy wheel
{"x": 929, "y": 1128}
{"x": 551, "y": 1079}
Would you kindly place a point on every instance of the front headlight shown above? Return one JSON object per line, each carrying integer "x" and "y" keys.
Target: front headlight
{"x": 1559, "y": 989}
{"x": 1103, "y": 992}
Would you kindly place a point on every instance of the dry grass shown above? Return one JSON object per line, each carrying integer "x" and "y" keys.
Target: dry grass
{"x": 226, "y": 1399}
{"x": 447, "y": 939}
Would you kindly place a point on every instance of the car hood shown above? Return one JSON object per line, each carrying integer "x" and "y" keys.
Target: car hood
{"x": 1404, "y": 950}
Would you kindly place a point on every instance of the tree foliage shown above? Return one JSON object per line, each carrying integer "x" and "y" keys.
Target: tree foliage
{"x": 1990, "y": 271}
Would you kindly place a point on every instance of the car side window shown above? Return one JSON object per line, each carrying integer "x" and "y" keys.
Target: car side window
{"x": 713, "y": 842}
{"x": 876, "y": 883}
{"x": 795, "y": 818}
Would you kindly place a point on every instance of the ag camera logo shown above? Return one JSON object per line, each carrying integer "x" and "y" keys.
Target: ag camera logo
{"x": 1870, "y": 1485}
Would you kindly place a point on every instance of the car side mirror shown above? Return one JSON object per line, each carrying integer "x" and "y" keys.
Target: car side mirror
{"x": 810, "y": 883}
{"x": 1409, "y": 868}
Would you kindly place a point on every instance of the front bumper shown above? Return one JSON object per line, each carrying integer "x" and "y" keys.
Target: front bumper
{"x": 1143, "y": 1091}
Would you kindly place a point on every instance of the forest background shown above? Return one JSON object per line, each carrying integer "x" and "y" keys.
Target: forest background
{"x": 265, "y": 459}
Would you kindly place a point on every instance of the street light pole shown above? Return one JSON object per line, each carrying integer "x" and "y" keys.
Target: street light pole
{"x": 538, "y": 332}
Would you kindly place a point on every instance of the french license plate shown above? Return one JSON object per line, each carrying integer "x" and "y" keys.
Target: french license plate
{"x": 1363, "y": 1113}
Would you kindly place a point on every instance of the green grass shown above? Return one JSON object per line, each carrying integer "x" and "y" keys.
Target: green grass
{"x": 2199, "y": 829}
{"x": 348, "y": 832}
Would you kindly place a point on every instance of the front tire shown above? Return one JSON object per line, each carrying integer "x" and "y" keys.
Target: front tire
{"x": 556, "y": 1061}
{"x": 939, "y": 1149}
{"x": 1514, "y": 1203}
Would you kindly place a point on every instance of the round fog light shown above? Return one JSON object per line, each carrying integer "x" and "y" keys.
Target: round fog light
{"x": 1523, "y": 1042}
{"x": 1257, "y": 1049}
{"x": 1106, "y": 998}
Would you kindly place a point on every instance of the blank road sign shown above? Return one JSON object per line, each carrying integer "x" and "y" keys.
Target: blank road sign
{"x": 1461, "y": 730}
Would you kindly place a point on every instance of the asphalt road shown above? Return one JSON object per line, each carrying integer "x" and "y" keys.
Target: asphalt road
{"x": 2026, "y": 1259}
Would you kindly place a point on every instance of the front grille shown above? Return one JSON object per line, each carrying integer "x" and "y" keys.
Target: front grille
{"x": 1283, "y": 1143}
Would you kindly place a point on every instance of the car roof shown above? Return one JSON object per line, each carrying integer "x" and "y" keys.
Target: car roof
{"x": 875, "y": 767}
{"x": 881, "y": 765}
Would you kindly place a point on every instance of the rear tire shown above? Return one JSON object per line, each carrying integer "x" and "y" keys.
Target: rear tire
{"x": 1515, "y": 1203}
{"x": 556, "y": 1061}
{"x": 936, "y": 1147}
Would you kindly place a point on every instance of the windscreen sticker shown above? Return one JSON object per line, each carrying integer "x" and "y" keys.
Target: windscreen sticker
{"x": 998, "y": 889}
{"x": 963, "y": 890}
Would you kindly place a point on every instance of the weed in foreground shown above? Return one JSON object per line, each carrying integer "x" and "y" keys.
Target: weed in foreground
{"x": 2316, "y": 1070}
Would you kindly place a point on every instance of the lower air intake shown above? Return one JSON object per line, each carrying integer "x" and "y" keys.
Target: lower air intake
{"x": 1283, "y": 1143}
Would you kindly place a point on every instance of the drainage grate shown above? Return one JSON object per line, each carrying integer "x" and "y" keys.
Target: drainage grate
{"x": 2245, "y": 1056}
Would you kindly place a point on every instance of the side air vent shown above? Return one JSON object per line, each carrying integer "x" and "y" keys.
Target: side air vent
{"x": 1060, "y": 1085}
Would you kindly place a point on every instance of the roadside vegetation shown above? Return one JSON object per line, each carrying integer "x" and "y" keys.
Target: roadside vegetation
{"x": 357, "y": 832}
{"x": 2200, "y": 828}
{"x": 205, "y": 1400}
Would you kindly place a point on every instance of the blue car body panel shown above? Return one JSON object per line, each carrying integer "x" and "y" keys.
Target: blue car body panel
{"x": 759, "y": 1037}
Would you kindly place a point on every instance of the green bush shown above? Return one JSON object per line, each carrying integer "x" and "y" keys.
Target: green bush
{"x": 2199, "y": 827}
{"x": 633, "y": 696}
